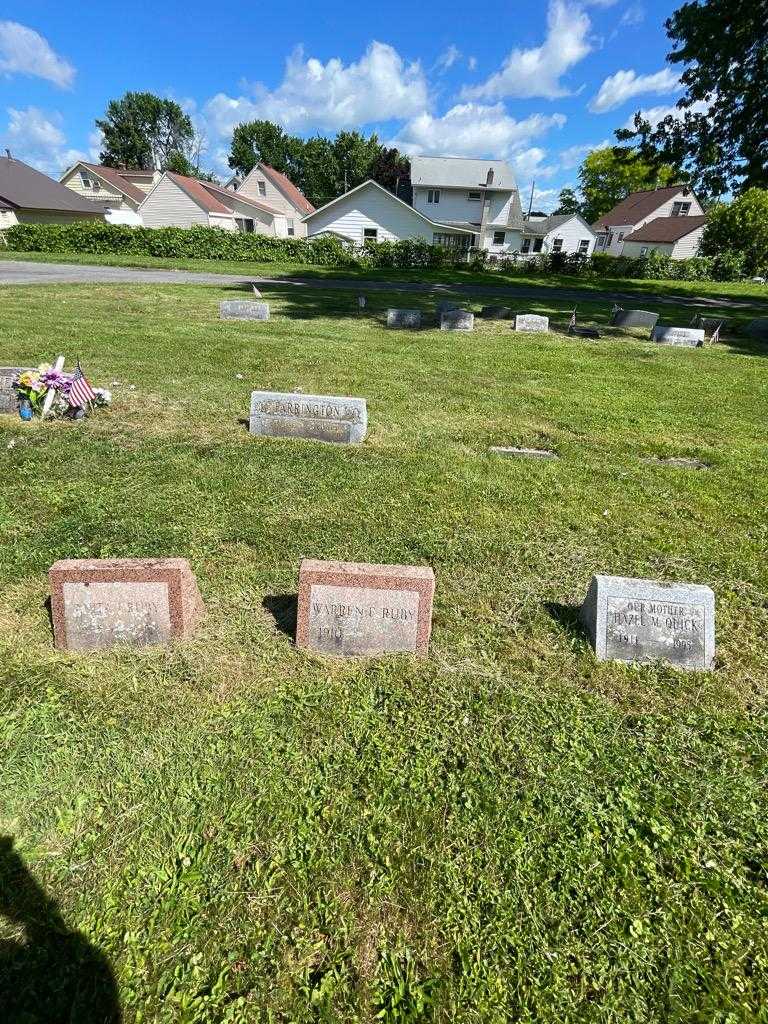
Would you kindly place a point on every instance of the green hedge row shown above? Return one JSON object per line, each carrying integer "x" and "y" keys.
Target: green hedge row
{"x": 216, "y": 244}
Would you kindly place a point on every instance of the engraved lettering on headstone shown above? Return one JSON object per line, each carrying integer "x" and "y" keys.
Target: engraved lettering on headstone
{"x": 362, "y": 620}
{"x": 645, "y": 630}
{"x": 98, "y": 615}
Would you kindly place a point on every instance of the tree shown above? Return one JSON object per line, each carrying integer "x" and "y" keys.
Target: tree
{"x": 255, "y": 141}
{"x": 144, "y": 131}
{"x": 391, "y": 170}
{"x": 741, "y": 227}
{"x": 569, "y": 202}
{"x": 720, "y": 134}
{"x": 608, "y": 175}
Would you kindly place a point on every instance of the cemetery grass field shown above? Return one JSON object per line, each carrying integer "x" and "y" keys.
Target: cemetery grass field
{"x": 754, "y": 295}
{"x": 506, "y": 831}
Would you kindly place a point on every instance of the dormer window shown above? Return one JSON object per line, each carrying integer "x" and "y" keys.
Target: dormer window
{"x": 473, "y": 197}
{"x": 433, "y": 195}
{"x": 262, "y": 188}
{"x": 681, "y": 209}
{"x": 86, "y": 180}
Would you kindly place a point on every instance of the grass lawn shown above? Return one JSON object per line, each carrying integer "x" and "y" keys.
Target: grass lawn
{"x": 506, "y": 831}
{"x": 754, "y": 294}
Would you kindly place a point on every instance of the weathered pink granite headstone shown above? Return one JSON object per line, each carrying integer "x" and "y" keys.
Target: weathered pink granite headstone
{"x": 353, "y": 609}
{"x": 96, "y": 603}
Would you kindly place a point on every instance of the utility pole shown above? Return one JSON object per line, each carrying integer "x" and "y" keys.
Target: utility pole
{"x": 530, "y": 201}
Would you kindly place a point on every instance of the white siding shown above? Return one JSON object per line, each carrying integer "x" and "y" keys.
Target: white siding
{"x": 572, "y": 232}
{"x": 169, "y": 206}
{"x": 7, "y": 219}
{"x": 263, "y": 223}
{"x": 635, "y": 249}
{"x": 513, "y": 239}
{"x": 141, "y": 181}
{"x": 219, "y": 220}
{"x": 370, "y": 207}
{"x": 683, "y": 249}
{"x": 662, "y": 210}
{"x": 455, "y": 206}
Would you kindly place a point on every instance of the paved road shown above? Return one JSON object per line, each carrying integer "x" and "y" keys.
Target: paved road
{"x": 24, "y": 272}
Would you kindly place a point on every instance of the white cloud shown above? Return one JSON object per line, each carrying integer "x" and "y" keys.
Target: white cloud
{"x": 332, "y": 96}
{"x": 656, "y": 114}
{"x": 35, "y": 137}
{"x": 573, "y": 155}
{"x": 472, "y": 63}
{"x": 448, "y": 58}
{"x": 634, "y": 15}
{"x": 618, "y": 88}
{"x": 473, "y": 129}
{"x": 544, "y": 199}
{"x": 537, "y": 71}
{"x": 25, "y": 52}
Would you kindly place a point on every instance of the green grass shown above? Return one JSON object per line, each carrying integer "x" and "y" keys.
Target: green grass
{"x": 754, "y": 294}
{"x": 506, "y": 831}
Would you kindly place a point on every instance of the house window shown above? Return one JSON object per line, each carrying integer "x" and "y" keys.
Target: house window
{"x": 244, "y": 224}
{"x": 557, "y": 245}
{"x": 473, "y": 197}
{"x": 262, "y": 188}
{"x": 499, "y": 237}
{"x": 452, "y": 241}
{"x": 433, "y": 195}
{"x": 600, "y": 241}
{"x": 291, "y": 229}
{"x": 87, "y": 183}
{"x": 610, "y": 238}
{"x": 370, "y": 234}
{"x": 644, "y": 250}
{"x": 537, "y": 244}
{"x": 681, "y": 209}
{"x": 584, "y": 246}
{"x": 526, "y": 246}
{"x": 621, "y": 236}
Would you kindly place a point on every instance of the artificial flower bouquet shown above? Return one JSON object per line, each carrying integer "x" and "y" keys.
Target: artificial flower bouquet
{"x": 73, "y": 395}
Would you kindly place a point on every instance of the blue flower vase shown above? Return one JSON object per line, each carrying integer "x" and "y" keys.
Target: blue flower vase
{"x": 25, "y": 409}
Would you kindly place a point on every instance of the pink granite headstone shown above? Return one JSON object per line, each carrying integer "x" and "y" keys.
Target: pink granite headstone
{"x": 354, "y": 609}
{"x": 96, "y": 603}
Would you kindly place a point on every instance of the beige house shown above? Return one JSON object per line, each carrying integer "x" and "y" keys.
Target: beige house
{"x": 273, "y": 187}
{"x": 29, "y": 197}
{"x": 179, "y": 201}
{"x": 638, "y": 209}
{"x": 678, "y": 237}
{"x": 118, "y": 188}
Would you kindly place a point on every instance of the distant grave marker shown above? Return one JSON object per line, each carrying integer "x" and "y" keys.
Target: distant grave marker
{"x": 530, "y": 322}
{"x": 638, "y": 620}
{"x": 243, "y": 309}
{"x": 525, "y": 453}
{"x": 457, "y": 320}
{"x": 354, "y": 609}
{"x": 314, "y": 417}
{"x": 97, "y": 603}
{"x": 681, "y": 337}
{"x": 406, "y": 319}
{"x": 9, "y": 401}
{"x": 634, "y": 318}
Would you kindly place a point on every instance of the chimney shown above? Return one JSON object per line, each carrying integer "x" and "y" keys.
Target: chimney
{"x": 489, "y": 177}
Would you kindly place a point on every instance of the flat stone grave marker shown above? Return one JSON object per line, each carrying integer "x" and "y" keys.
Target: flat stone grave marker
{"x": 243, "y": 309}
{"x": 634, "y": 318}
{"x": 9, "y": 399}
{"x": 681, "y": 337}
{"x": 314, "y": 417}
{"x": 530, "y": 322}
{"x": 525, "y": 453}
{"x": 457, "y": 320}
{"x": 639, "y": 620}
{"x": 97, "y": 603}
{"x": 404, "y": 318}
{"x": 496, "y": 313}
{"x": 675, "y": 462}
{"x": 354, "y": 609}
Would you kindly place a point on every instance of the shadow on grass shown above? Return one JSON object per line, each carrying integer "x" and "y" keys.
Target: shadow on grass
{"x": 567, "y": 617}
{"x": 50, "y": 974}
{"x": 283, "y": 608}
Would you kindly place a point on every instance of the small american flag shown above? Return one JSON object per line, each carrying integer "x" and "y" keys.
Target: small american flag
{"x": 716, "y": 334}
{"x": 572, "y": 321}
{"x": 80, "y": 391}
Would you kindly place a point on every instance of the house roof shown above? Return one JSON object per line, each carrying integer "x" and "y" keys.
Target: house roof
{"x": 394, "y": 199}
{"x": 638, "y": 205}
{"x": 459, "y": 172}
{"x": 289, "y": 190}
{"x": 541, "y": 226}
{"x": 214, "y": 198}
{"x": 666, "y": 229}
{"x": 115, "y": 177}
{"x": 22, "y": 187}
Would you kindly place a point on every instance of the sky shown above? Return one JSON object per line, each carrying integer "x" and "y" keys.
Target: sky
{"x": 537, "y": 82}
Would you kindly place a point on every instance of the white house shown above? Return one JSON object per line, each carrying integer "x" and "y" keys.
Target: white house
{"x": 369, "y": 212}
{"x": 567, "y": 233}
{"x": 277, "y": 190}
{"x": 678, "y": 237}
{"x": 639, "y": 208}
{"x": 476, "y": 196}
{"x": 179, "y": 201}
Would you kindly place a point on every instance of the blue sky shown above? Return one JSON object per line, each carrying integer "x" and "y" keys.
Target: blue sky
{"x": 538, "y": 83}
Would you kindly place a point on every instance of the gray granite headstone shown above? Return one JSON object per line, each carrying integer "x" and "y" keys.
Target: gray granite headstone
{"x": 682, "y": 337}
{"x": 496, "y": 312}
{"x": 8, "y": 397}
{"x": 243, "y": 309}
{"x": 531, "y": 322}
{"x": 316, "y": 417}
{"x": 634, "y": 318}
{"x": 457, "y": 320}
{"x": 406, "y": 318}
{"x": 646, "y": 620}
